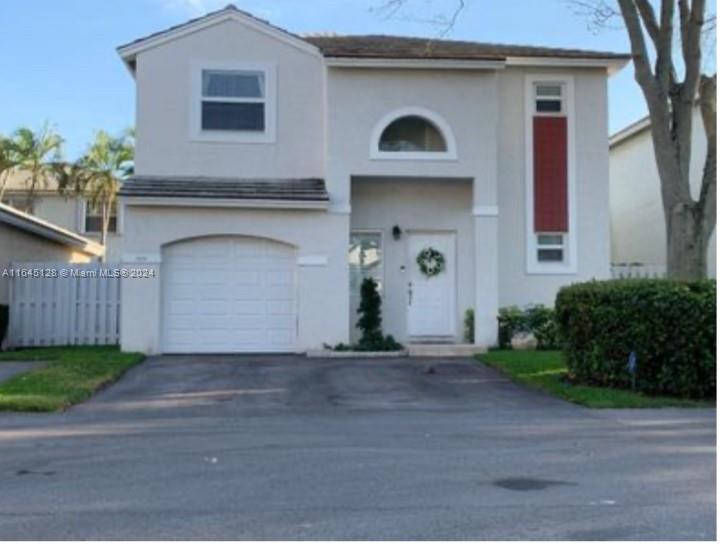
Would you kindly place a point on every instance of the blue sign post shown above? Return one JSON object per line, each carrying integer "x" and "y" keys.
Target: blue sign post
{"x": 632, "y": 367}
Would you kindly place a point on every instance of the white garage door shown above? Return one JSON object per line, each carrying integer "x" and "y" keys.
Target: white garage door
{"x": 228, "y": 295}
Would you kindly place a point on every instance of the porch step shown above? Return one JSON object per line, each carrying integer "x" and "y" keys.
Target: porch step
{"x": 445, "y": 350}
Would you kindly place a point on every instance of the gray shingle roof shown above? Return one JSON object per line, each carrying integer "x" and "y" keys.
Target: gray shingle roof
{"x": 403, "y": 47}
{"x": 281, "y": 189}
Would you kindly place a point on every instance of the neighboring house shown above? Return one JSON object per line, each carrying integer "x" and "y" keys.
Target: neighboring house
{"x": 26, "y": 238}
{"x": 638, "y": 229}
{"x": 72, "y": 213}
{"x": 274, "y": 172}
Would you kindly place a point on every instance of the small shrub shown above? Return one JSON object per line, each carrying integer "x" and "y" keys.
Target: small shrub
{"x": 469, "y": 326}
{"x": 4, "y": 319}
{"x": 537, "y": 320}
{"x": 671, "y": 326}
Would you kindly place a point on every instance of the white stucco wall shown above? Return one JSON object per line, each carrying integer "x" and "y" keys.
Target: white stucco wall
{"x": 517, "y": 287}
{"x": 638, "y": 230}
{"x": 359, "y": 98}
{"x": 416, "y": 205}
{"x": 322, "y": 289}
{"x": 164, "y": 103}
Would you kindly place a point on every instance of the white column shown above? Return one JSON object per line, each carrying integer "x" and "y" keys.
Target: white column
{"x": 486, "y": 275}
{"x": 141, "y": 306}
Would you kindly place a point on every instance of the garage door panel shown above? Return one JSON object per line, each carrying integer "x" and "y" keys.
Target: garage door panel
{"x": 250, "y": 293}
{"x": 280, "y": 307}
{"x": 229, "y": 294}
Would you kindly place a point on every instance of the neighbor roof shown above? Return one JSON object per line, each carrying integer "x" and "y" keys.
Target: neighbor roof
{"x": 629, "y": 131}
{"x": 280, "y": 189}
{"x": 32, "y": 224}
{"x": 375, "y": 46}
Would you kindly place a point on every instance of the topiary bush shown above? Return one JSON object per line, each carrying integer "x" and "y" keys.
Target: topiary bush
{"x": 671, "y": 327}
{"x": 370, "y": 321}
{"x": 537, "y": 320}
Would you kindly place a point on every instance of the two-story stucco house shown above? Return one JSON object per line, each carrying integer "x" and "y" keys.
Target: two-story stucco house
{"x": 274, "y": 172}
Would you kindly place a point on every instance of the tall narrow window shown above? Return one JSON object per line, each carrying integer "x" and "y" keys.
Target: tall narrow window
{"x": 365, "y": 260}
{"x": 550, "y": 191}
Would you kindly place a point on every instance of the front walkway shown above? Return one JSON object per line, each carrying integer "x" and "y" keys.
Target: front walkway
{"x": 285, "y": 447}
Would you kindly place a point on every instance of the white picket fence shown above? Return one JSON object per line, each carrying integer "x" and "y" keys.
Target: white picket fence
{"x": 638, "y": 271}
{"x": 82, "y": 308}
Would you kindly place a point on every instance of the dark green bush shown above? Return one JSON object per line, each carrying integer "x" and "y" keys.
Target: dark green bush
{"x": 537, "y": 320}
{"x": 4, "y": 319}
{"x": 671, "y": 327}
{"x": 370, "y": 321}
{"x": 469, "y": 326}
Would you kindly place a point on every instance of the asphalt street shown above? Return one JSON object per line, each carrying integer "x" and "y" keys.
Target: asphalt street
{"x": 263, "y": 447}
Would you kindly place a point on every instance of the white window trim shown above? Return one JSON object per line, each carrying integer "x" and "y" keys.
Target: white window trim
{"x": 570, "y": 264}
{"x": 268, "y": 136}
{"x": 381, "y": 233}
{"x": 83, "y": 210}
{"x": 563, "y": 245}
{"x": 436, "y": 119}
{"x": 563, "y": 99}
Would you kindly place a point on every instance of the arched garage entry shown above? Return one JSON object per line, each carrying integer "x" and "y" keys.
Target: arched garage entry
{"x": 228, "y": 294}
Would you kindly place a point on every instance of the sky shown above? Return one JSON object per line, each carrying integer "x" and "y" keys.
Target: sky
{"x": 59, "y": 62}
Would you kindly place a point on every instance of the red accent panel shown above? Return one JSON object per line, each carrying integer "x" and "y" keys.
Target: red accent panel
{"x": 550, "y": 173}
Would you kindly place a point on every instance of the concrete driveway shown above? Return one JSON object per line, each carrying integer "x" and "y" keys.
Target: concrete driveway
{"x": 290, "y": 448}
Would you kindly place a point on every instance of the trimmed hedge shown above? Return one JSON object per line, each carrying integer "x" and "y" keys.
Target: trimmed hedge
{"x": 671, "y": 327}
{"x": 4, "y": 319}
{"x": 537, "y": 320}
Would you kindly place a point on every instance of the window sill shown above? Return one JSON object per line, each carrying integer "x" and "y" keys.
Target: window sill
{"x": 538, "y": 269}
{"x": 234, "y": 138}
{"x": 413, "y": 156}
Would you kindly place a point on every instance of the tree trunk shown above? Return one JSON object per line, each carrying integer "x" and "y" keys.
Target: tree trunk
{"x": 687, "y": 244}
{"x": 105, "y": 220}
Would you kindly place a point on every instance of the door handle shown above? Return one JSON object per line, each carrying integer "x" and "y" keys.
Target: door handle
{"x": 409, "y": 294}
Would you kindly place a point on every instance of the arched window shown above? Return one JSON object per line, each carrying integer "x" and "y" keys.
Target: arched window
{"x": 412, "y": 133}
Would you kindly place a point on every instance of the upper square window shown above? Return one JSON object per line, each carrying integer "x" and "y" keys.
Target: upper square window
{"x": 234, "y": 103}
{"x": 413, "y": 133}
{"x": 233, "y": 100}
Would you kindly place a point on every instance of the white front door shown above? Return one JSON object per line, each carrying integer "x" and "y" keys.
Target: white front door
{"x": 431, "y": 300}
{"x": 229, "y": 295}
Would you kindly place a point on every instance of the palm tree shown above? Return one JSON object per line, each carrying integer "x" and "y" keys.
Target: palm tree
{"x": 8, "y": 160}
{"x": 97, "y": 175}
{"x": 36, "y": 155}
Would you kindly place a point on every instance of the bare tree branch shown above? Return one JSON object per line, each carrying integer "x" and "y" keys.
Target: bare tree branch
{"x": 692, "y": 49}
{"x": 392, "y": 9}
{"x": 598, "y": 13}
{"x": 648, "y": 16}
{"x": 639, "y": 53}
{"x": 664, "y": 60}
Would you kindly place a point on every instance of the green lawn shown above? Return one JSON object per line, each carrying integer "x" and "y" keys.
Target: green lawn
{"x": 545, "y": 370}
{"x": 72, "y": 376}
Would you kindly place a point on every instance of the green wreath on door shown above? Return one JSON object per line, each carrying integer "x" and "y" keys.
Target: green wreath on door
{"x": 431, "y": 262}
